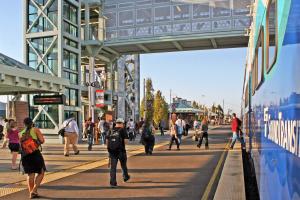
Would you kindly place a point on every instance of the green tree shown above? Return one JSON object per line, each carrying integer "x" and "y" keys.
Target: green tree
{"x": 149, "y": 101}
{"x": 160, "y": 108}
{"x": 142, "y": 108}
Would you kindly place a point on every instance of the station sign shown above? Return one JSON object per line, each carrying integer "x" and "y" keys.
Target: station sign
{"x": 49, "y": 99}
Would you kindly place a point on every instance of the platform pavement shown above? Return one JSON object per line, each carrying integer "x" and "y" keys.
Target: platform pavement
{"x": 187, "y": 170}
{"x": 56, "y": 161}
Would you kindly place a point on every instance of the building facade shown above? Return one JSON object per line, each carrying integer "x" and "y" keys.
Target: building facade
{"x": 63, "y": 38}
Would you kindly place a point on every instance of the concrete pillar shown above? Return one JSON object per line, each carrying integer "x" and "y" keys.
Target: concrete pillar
{"x": 137, "y": 76}
{"x": 91, "y": 89}
{"x": 87, "y": 21}
{"x": 121, "y": 87}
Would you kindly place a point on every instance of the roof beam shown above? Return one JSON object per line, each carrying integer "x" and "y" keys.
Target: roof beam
{"x": 112, "y": 51}
{"x": 145, "y": 49}
{"x": 214, "y": 43}
{"x": 177, "y": 45}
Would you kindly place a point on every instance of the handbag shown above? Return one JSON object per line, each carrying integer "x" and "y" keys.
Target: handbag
{"x": 62, "y": 131}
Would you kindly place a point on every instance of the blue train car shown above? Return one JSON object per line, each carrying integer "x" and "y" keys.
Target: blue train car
{"x": 271, "y": 98}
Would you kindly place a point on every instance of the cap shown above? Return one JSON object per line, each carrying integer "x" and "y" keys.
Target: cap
{"x": 120, "y": 120}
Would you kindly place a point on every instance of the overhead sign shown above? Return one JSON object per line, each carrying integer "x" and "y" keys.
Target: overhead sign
{"x": 99, "y": 99}
{"x": 48, "y": 99}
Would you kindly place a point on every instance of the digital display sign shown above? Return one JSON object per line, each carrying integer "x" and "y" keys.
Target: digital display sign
{"x": 49, "y": 99}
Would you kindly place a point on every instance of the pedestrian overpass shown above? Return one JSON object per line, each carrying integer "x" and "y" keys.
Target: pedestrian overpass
{"x": 148, "y": 26}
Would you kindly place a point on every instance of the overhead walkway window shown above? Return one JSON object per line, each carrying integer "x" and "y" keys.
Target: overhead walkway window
{"x": 272, "y": 34}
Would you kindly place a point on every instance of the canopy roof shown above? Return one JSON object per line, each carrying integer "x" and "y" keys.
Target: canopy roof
{"x": 185, "y": 108}
{"x": 18, "y": 78}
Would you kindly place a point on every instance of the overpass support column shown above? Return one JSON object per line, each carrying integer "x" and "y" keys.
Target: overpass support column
{"x": 137, "y": 76}
{"x": 121, "y": 87}
{"x": 91, "y": 89}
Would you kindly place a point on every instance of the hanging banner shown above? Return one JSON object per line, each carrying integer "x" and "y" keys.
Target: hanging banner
{"x": 99, "y": 99}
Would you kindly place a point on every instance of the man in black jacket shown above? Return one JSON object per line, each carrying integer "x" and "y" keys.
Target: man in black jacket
{"x": 116, "y": 141}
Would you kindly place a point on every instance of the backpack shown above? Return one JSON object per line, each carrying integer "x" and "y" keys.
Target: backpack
{"x": 114, "y": 141}
{"x": 147, "y": 134}
{"x": 28, "y": 144}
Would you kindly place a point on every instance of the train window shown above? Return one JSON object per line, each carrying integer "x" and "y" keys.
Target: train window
{"x": 247, "y": 96}
{"x": 253, "y": 79}
{"x": 259, "y": 59}
{"x": 272, "y": 34}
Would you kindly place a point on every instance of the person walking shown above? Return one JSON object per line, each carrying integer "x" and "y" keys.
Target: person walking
{"x": 71, "y": 135}
{"x": 102, "y": 129}
{"x": 32, "y": 160}
{"x": 14, "y": 143}
{"x": 90, "y": 127}
{"x": 5, "y": 128}
{"x": 161, "y": 127}
{"x": 235, "y": 127}
{"x": 131, "y": 127}
{"x": 116, "y": 141}
{"x": 180, "y": 126}
{"x": 148, "y": 138}
{"x": 204, "y": 133}
{"x": 174, "y": 135}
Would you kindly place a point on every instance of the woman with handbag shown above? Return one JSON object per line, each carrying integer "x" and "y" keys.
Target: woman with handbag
{"x": 32, "y": 159}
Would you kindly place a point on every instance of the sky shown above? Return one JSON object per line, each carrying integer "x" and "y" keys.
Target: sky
{"x": 206, "y": 76}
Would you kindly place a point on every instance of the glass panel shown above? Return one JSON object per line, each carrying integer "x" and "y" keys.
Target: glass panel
{"x": 161, "y": 1}
{"x": 222, "y": 8}
{"x": 111, "y": 19}
{"x": 162, "y": 14}
{"x": 73, "y": 78}
{"x": 67, "y": 95}
{"x": 73, "y": 97}
{"x": 240, "y": 7}
{"x": 73, "y": 62}
{"x": 259, "y": 59}
{"x": 144, "y": 16}
{"x": 181, "y": 12}
{"x": 201, "y": 11}
{"x": 272, "y": 33}
{"x": 73, "y": 14}
{"x": 126, "y": 18}
{"x": 66, "y": 62}
{"x": 141, "y": 3}
{"x": 32, "y": 9}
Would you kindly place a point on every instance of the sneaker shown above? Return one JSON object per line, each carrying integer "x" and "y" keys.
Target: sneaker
{"x": 67, "y": 155}
{"x": 76, "y": 153}
{"x": 114, "y": 186}
{"x": 127, "y": 178}
{"x": 198, "y": 146}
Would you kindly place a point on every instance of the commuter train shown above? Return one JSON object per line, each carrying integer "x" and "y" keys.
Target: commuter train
{"x": 271, "y": 97}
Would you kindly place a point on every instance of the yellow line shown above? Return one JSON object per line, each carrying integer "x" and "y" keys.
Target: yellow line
{"x": 214, "y": 176}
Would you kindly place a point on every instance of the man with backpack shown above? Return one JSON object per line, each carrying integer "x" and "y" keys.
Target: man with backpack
{"x": 236, "y": 128}
{"x": 116, "y": 140}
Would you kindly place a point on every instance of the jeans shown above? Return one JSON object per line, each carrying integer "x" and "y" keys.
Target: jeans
{"x": 173, "y": 138}
{"x": 179, "y": 136}
{"x": 103, "y": 137}
{"x": 122, "y": 157}
{"x": 235, "y": 137}
{"x": 90, "y": 139}
{"x": 204, "y": 135}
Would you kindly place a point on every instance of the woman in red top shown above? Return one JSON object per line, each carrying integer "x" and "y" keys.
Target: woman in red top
{"x": 14, "y": 144}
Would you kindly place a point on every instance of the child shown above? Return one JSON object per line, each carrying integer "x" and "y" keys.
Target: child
{"x": 14, "y": 144}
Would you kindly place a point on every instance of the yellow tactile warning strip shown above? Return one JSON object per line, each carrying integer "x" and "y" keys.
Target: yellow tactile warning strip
{"x": 216, "y": 172}
{"x": 53, "y": 176}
